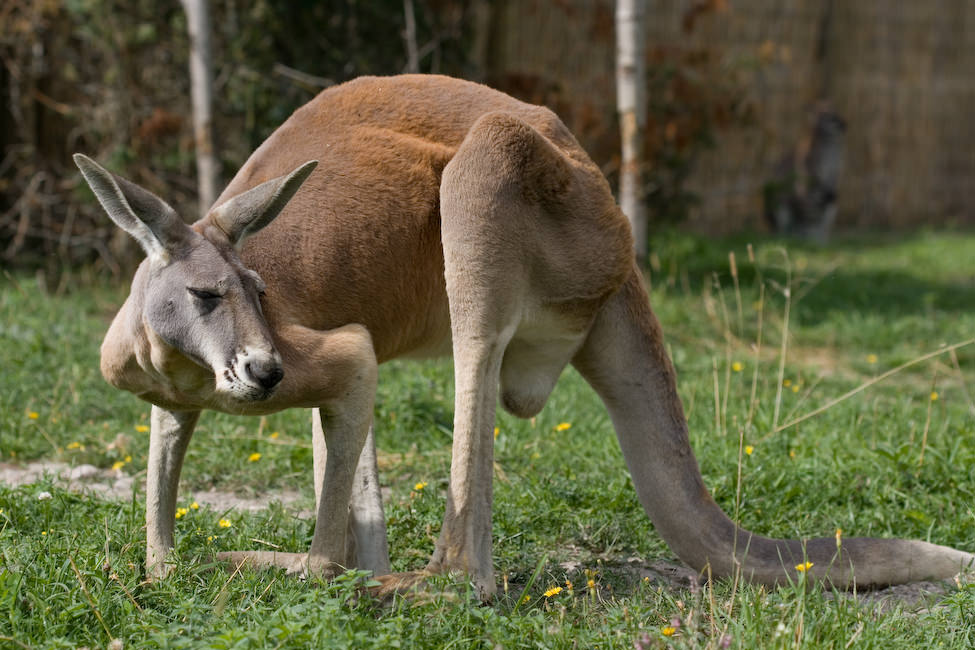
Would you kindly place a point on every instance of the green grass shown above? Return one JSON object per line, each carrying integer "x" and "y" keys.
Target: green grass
{"x": 71, "y": 567}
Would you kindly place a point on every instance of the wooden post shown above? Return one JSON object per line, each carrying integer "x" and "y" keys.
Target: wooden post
{"x": 631, "y": 104}
{"x": 201, "y": 92}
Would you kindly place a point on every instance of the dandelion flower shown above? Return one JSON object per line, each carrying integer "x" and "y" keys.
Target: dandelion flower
{"x": 934, "y": 396}
{"x": 224, "y": 523}
{"x": 737, "y": 367}
{"x": 591, "y": 583}
{"x": 33, "y": 415}
{"x": 44, "y": 496}
{"x": 749, "y": 449}
{"x": 74, "y": 445}
{"x": 795, "y": 388}
{"x": 792, "y": 453}
{"x": 871, "y": 358}
{"x": 786, "y": 382}
{"x": 194, "y": 506}
{"x": 275, "y": 435}
{"x": 117, "y": 465}
{"x": 209, "y": 538}
{"x": 668, "y": 631}
{"x": 253, "y": 458}
{"x": 553, "y": 591}
{"x": 141, "y": 428}
{"x": 180, "y": 512}
{"x": 420, "y": 485}
{"x": 497, "y": 430}
{"x": 563, "y": 426}
{"x": 805, "y": 566}
{"x": 43, "y": 532}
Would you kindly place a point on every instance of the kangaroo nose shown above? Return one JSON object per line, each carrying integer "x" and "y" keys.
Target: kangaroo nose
{"x": 267, "y": 373}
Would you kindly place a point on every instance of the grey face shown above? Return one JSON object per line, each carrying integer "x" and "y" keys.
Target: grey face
{"x": 207, "y": 305}
{"x": 199, "y": 298}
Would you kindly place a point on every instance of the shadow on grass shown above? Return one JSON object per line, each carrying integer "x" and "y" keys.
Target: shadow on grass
{"x": 936, "y": 272}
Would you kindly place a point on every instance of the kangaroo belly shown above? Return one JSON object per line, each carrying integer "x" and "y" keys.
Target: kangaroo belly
{"x": 534, "y": 359}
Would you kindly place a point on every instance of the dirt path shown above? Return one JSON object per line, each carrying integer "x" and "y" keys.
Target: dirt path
{"x": 119, "y": 486}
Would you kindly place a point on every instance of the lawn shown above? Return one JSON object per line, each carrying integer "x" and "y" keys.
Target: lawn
{"x": 784, "y": 333}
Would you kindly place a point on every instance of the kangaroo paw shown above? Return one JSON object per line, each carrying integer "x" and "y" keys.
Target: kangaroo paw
{"x": 292, "y": 563}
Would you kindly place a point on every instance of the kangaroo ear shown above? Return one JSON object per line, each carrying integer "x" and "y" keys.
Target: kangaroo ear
{"x": 246, "y": 213}
{"x": 137, "y": 211}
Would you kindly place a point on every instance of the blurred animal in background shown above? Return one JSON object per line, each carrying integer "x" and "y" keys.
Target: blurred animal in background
{"x": 800, "y": 199}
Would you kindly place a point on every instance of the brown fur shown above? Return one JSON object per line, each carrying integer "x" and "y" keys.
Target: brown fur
{"x": 442, "y": 216}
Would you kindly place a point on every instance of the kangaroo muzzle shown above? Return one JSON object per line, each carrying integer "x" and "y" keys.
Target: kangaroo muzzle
{"x": 252, "y": 375}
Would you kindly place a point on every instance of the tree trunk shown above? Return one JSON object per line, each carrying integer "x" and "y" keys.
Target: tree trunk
{"x": 201, "y": 88}
{"x": 631, "y": 104}
{"x": 409, "y": 35}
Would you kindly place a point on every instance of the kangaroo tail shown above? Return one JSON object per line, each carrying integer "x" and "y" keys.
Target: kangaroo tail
{"x": 649, "y": 420}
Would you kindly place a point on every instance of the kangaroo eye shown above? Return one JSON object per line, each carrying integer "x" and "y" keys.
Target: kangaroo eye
{"x": 203, "y": 294}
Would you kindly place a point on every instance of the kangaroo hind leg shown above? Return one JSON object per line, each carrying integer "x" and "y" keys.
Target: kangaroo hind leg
{"x": 518, "y": 310}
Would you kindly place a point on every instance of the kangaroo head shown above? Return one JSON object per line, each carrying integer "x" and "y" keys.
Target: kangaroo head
{"x": 194, "y": 293}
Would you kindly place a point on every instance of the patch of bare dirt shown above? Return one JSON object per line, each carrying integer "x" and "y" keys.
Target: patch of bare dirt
{"x": 117, "y": 485}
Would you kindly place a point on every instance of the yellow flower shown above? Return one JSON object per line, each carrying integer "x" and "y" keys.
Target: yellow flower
{"x": 553, "y": 591}
{"x": 591, "y": 583}
{"x": 934, "y": 396}
{"x": 128, "y": 459}
{"x": 563, "y": 426}
{"x": 117, "y": 465}
{"x": 43, "y": 532}
{"x": 568, "y": 584}
{"x": 805, "y": 566}
{"x": 33, "y": 415}
{"x": 839, "y": 537}
{"x": 786, "y": 382}
{"x": 668, "y": 631}
{"x": 420, "y": 485}
{"x": 275, "y": 435}
{"x": 75, "y": 445}
{"x": 871, "y": 358}
{"x": 180, "y": 512}
{"x": 194, "y": 506}
{"x": 737, "y": 367}
{"x": 141, "y": 428}
{"x": 792, "y": 453}
{"x": 496, "y": 432}
{"x": 253, "y": 458}
{"x": 224, "y": 523}
{"x": 209, "y": 538}
{"x": 526, "y": 598}
{"x": 795, "y": 388}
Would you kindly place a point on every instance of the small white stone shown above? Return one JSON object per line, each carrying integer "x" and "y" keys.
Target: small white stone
{"x": 82, "y": 472}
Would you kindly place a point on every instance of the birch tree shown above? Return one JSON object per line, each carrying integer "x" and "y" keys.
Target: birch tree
{"x": 201, "y": 93}
{"x": 631, "y": 104}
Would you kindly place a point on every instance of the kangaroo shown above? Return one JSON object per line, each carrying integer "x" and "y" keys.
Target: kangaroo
{"x": 441, "y": 216}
